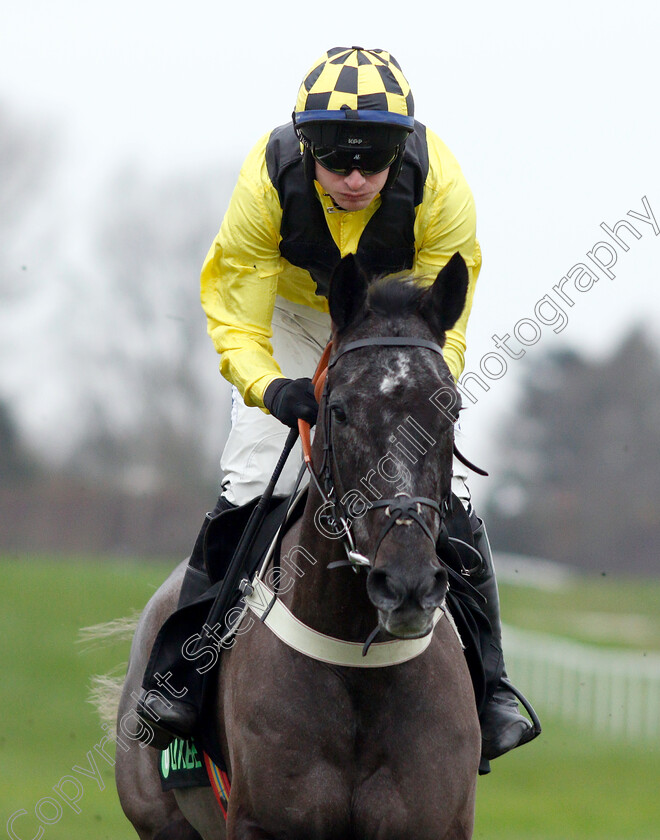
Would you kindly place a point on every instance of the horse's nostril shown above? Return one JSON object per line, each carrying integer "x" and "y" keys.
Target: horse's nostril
{"x": 431, "y": 593}
{"x": 385, "y": 591}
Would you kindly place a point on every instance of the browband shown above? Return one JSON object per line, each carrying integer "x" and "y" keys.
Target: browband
{"x": 384, "y": 341}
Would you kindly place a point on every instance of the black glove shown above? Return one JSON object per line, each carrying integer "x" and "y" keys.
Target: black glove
{"x": 291, "y": 400}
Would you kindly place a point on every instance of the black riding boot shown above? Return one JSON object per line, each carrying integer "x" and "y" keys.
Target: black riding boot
{"x": 170, "y": 677}
{"x": 502, "y": 726}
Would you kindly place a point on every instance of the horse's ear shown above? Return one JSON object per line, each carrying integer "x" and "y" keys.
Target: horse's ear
{"x": 444, "y": 301}
{"x": 348, "y": 294}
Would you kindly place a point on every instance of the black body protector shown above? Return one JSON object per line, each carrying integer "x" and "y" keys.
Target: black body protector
{"x": 387, "y": 244}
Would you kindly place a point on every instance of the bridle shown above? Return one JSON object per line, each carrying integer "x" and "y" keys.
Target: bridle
{"x": 401, "y": 509}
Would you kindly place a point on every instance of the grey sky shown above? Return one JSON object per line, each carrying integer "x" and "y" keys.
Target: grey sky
{"x": 551, "y": 111}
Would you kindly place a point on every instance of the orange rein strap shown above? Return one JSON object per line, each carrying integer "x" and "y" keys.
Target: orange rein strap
{"x": 318, "y": 380}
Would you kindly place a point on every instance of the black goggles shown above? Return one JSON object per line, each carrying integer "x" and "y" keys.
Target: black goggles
{"x": 344, "y": 161}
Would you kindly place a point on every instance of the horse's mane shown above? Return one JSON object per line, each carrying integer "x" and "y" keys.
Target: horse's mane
{"x": 395, "y": 295}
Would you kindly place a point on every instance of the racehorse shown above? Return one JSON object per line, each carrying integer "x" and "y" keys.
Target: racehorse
{"x": 362, "y": 722}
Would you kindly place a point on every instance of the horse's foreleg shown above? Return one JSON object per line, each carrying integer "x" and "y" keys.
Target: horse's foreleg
{"x": 178, "y": 830}
{"x": 153, "y": 813}
{"x": 244, "y": 828}
{"x": 240, "y": 824}
{"x": 202, "y": 811}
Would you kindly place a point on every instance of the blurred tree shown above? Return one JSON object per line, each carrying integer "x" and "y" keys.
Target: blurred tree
{"x": 26, "y": 161}
{"x": 157, "y": 408}
{"x": 104, "y": 356}
{"x": 105, "y": 366}
{"x": 17, "y": 464}
{"x": 581, "y": 461}
{"x": 28, "y": 225}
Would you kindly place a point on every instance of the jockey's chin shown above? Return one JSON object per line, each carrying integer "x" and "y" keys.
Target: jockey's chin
{"x": 354, "y": 191}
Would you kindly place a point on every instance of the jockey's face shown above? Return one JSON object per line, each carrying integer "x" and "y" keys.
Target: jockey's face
{"x": 354, "y": 191}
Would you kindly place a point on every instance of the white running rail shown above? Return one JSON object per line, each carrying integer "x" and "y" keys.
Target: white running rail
{"x": 615, "y": 693}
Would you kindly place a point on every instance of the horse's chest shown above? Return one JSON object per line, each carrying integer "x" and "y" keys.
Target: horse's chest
{"x": 321, "y": 754}
{"x": 391, "y": 802}
{"x": 371, "y": 772}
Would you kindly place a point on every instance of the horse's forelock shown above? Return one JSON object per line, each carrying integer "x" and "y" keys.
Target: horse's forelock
{"x": 394, "y": 307}
{"x": 395, "y": 296}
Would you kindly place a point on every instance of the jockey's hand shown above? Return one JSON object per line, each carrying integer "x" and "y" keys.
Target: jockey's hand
{"x": 291, "y": 400}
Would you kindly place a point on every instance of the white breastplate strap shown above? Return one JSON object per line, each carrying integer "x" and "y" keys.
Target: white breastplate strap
{"x": 283, "y": 623}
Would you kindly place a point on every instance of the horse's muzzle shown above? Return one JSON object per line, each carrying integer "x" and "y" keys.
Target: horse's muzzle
{"x": 406, "y": 605}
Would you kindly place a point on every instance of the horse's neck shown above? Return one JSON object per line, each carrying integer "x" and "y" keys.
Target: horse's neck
{"x": 332, "y": 601}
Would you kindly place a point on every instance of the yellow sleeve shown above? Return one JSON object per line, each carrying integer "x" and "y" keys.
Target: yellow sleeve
{"x": 239, "y": 281}
{"x": 446, "y": 222}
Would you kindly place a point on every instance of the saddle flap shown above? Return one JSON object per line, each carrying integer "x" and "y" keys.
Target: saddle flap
{"x": 225, "y": 530}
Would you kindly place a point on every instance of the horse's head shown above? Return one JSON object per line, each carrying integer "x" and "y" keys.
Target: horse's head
{"x": 386, "y": 424}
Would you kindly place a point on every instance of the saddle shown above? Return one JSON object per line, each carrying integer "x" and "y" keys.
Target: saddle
{"x": 197, "y": 761}
{"x": 221, "y": 542}
{"x": 226, "y": 530}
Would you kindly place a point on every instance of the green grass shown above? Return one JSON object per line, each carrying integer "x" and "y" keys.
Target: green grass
{"x": 47, "y": 725}
{"x": 563, "y": 786}
{"x": 598, "y": 610}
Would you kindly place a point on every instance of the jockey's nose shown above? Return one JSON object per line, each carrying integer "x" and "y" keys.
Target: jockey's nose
{"x": 355, "y": 180}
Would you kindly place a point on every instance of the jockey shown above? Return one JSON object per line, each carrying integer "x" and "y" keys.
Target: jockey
{"x": 353, "y": 173}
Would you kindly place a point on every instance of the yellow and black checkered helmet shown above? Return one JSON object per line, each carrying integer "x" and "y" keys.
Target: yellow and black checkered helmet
{"x": 369, "y": 83}
{"x": 353, "y": 99}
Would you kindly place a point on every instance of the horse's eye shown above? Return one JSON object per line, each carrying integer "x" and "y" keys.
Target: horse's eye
{"x": 338, "y": 413}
